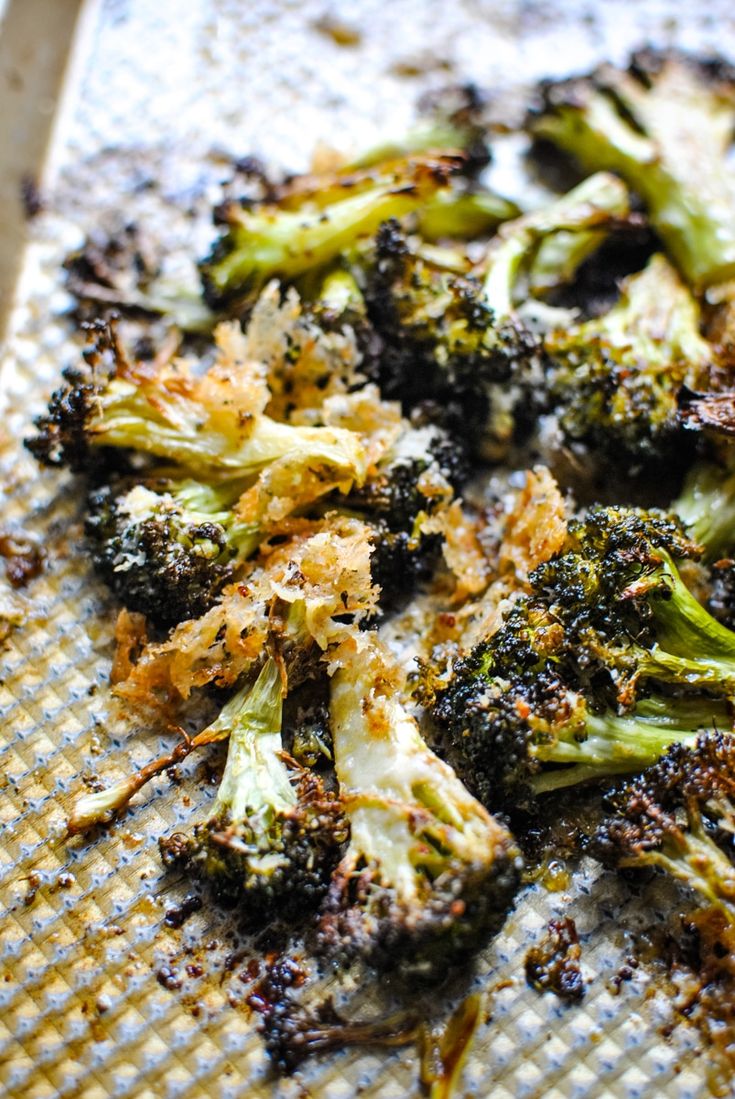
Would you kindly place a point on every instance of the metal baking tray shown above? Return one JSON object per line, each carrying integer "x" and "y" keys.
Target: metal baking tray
{"x": 125, "y": 108}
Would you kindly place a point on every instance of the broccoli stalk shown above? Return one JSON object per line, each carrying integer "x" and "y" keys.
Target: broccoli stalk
{"x": 274, "y": 832}
{"x": 314, "y": 227}
{"x": 665, "y": 126}
{"x": 706, "y": 507}
{"x": 426, "y": 869}
{"x": 586, "y": 212}
{"x": 679, "y": 816}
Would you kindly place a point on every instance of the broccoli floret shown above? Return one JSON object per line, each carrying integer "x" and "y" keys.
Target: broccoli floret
{"x": 310, "y": 228}
{"x": 275, "y": 833}
{"x": 679, "y": 815}
{"x": 625, "y": 613}
{"x": 169, "y": 549}
{"x": 211, "y": 427}
{"x": 427, "y": 870}
{"x": 513, "y": 739}
{"x": 613, "y": 381}
{"x": 665, "y": 125}
{"x": 457, "y": 339}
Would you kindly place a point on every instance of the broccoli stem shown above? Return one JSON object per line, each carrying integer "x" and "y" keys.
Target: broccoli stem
{"x": 614, "y": 743}
{"x": 464, "y": 215}
{"x": 706, "y": 507}
{"x": 256, "y": 781}
{"x": 595, "y": 202}
{"x": 691, "y": 646}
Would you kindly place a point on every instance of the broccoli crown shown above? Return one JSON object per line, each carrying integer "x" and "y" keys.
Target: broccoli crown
{"x": 438, "y": 331}
{"x": 625, "y": 610}
{"x": 310, "y": 227}
{"x": 169, "y": 552}
{"x": 275, "y": 833}
{"x": 614, "y": 381}
{"x": 606, "y": 617}
{"x": 665, "y": 126}
{"x": 426, "y": 870}
{"x": 679, "y": 815}
{"x": 63, "y": 432}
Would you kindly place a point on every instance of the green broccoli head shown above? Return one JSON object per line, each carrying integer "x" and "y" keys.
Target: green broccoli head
{"x": 274, "y": 833}
{"x": 665, "y": 126}
{"x": 614, "y": 381}
{"x": 168, "y": 549}
{"x": 427, "y": 870}
{"x": 679, "y": 816}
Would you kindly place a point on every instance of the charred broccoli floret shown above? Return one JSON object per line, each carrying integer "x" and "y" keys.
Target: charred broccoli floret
{"x": 310, "y": 227}
{"x": 457, "y": 338}
{"x": 167, "y": 550}
{"x": 625, "y": 613}
{"x": 274, "y": 833}
{"x": 513, "y": 739}
{"x": 665, "y": 125}
{"x": 607, "y": 619}
{"x": 211, "y": 426}
{"x": 614, "y": 381}
{"x": 427, "y": 870}
{"x": 679, "y": 816}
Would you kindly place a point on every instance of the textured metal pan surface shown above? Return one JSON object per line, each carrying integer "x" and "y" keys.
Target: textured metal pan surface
{"x": 99, "y": 996}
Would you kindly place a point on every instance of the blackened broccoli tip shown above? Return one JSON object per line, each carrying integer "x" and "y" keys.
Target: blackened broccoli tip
{"x": 614, "y": 381}
{"x": 289, "y": 240}
{"x": 679, "y": 816}
{"x": 427, "y": 871}
{"x": 665, "y": 125}
{"x": 275, "y": 832}
{"x": 168, "y": 550}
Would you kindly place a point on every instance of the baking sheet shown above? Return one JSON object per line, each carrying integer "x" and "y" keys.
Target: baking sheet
{"x": 95, "y": 997}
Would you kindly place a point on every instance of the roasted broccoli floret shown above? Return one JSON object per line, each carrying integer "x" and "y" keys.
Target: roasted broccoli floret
{"x": 418, "y": 474}
{"x": 665, "y": 125}
{"x": 457, "y": 339}
{"x": 613, "y": 381}
{"x": 679, "y": 816}
{"x": 211, "y": 426}
{"x": 565, "y": 678}
{"x": 626, "y": 615}
{"x": 168, "y": 549}
{"x": 427, "y": 870}
{"x": 513, "y": 739}
{"x": 274, "y": 833}
{"x": 309, "y": 228}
